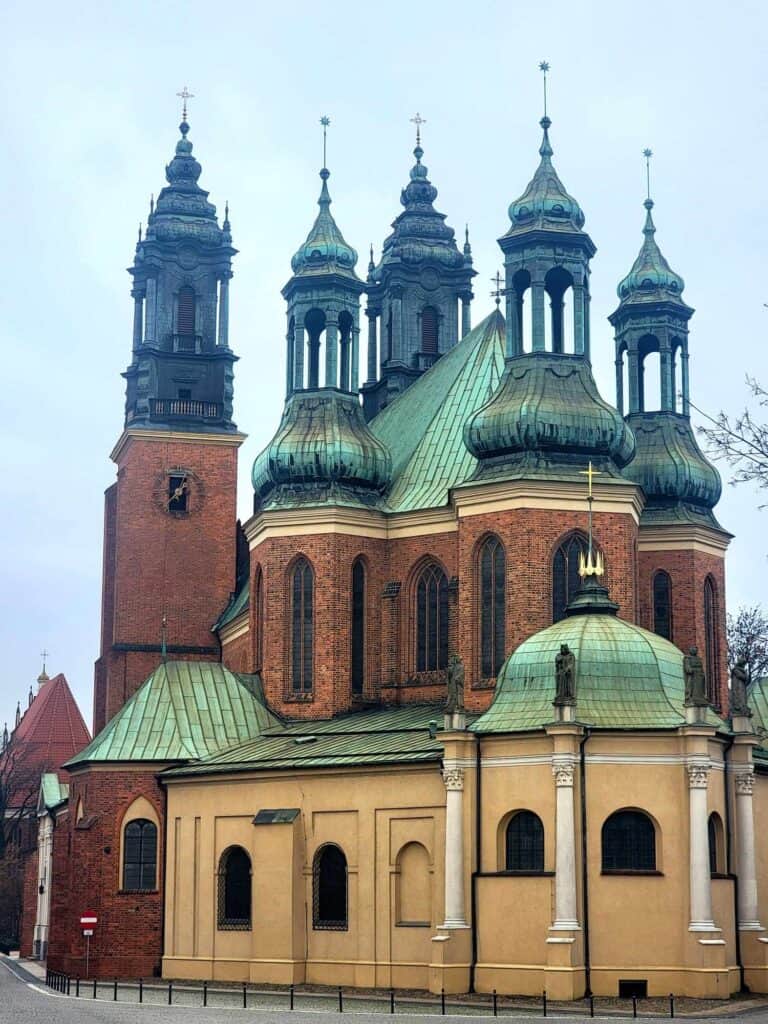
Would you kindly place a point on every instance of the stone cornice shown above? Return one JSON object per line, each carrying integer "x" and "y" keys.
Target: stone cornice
{"x": 360, "y": 522}
{"x": 684, "y": 536}
{"x": 561, "y": 495}
{"x": 239, "y": 626}
{"x": 175, "y": 437}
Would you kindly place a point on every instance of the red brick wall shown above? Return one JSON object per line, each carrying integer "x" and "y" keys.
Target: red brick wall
{"x": 688, "y": 571}
{"x": 127, "y": 940}
{"x": 155, "y": 563}
{"x": 29, "y": 904}
{"x": 236, "y": 654}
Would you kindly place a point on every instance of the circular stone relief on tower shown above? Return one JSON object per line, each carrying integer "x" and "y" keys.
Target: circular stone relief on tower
{"x": 188, "y": 258}
{"x": 178, "y": 492}
{"x": 429, "y": 279}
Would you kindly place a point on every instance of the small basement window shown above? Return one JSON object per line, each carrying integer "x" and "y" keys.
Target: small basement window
{"x": 178, "y": 491}
{"x": 633, "y": 987}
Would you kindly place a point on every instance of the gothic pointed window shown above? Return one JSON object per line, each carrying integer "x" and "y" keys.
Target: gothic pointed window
{"x": 662, "y": 604}
{"x": 629, "y": 842}
{"x": 524, "y": 842}
{"x": 185, "y": 319}
{"x": 234, "y": 895}
{"x": 140, "y": 856}
{"x": 431, "y": 619}
{"x": 711, "y": 652}
{"x": 565, "y": 574}
{"x": 358, "y": 627}
{"x": 259, "y": 619}
{"x": 492, "y": 569}
{"x": 429, "y": 330}
{"x": 330, "y": 910}
{"x": 302, "y": 626}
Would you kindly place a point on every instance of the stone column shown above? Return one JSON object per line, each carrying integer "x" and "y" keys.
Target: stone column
{"x": 565, "y": 846}
{"x": 373, "y": 363}
{"x": 685, "y": 389}
{"x": 538, "y": 333}
{"x": 620, "y": 384}
{"x": 665, "y": 372}
{"x": 298, "y": 352}
{"x": 138, "y": 321}
{"x": 354, "y": 383}
{"x": 331, "y": 353}
{"x": 700, "y": 883}
{"x": 466, "y": 323}
{"x": 513, "y": 330}
{"x": 454, "y": 848}
{"x": 634, "y": 382}
{"x": 744, "y": 779}
{"x": 579, "y": 320}
{"x": 224, "y": 313}
{"x": 151, "y": 310}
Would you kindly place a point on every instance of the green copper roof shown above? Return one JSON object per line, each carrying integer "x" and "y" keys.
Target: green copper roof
{"x": 325, "y": 251}
{"x": 53, "y": 793}
{"x": 545, "y": 204}
{"x": 651, "y": 277}
{"x": 423, "y": 427}
{"x": 238, "y": 604}
{"x": 626, "y": 678}
{"x": 378, "y": 736}
{"x": 668, "y": 463}
{"x": 757, "y": 698}
{"x": 184, "y": 710}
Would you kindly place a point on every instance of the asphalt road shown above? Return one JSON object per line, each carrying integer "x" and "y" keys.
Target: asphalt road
{"x": 24, "y": 1000}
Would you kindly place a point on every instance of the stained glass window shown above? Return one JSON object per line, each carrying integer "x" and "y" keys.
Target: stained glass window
{"x": 525, "y": 842}
{"x": 629, "y": 842}
{"x": 565, "y": 574}
{"x": 662, "y": 605}
{"x": 140, "y": 856}
{"x": 492, "y": 606}
{"x": 302, "y": 626}
{"x": 358, "y": 626}
{"x": 710, "y": 637}
{"x": 431, "y": 619}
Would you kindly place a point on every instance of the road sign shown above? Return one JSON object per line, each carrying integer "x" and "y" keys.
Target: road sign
{"x": 88, "y": 932}
{"x": 88, "y": 919}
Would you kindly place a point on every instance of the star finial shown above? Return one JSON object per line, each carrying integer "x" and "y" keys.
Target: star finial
{"x": 498, "y": 291}
{"x": 418, "y": 120}
{"x": 184, "y": 95}
{"x": 325, "y": 121}
{"x": 544, "y": 68}
{"x": 648, "y": 153}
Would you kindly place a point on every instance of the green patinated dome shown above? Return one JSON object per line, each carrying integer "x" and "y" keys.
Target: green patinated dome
{"x": 626, "y": 677}
{"x": 323, "y": 449}
{"x": 545, "y": 204}
{"x": 548, "y": 409}
{"x": 651, "y": 274}
{"x": 325, "y": 251}
{"x": 668, "y": 463}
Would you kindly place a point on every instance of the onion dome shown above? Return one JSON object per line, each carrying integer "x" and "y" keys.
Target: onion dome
{"x": 182, "y": 211}
{"x": 670, "y": 466}
{"x": 547, "y": 410}
{"x": 651, "y": 277}
{"x": 325, "y": 250}
{"x": 420, "y": 232}
{"x": 322, "y": 451}
{"x": 625, "y": 677}
{"x": 545, "y": 204}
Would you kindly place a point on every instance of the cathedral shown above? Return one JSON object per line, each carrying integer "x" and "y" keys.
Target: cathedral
{"x": 451, "y": 709}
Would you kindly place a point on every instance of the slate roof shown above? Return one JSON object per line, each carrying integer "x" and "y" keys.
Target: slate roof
{"x": 393, "y": 735}
{"x": 423, "y": 427}
{"x": 184, "y": 710}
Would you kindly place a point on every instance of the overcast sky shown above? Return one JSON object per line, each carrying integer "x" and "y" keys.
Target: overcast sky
{"x": 89, "y": 119}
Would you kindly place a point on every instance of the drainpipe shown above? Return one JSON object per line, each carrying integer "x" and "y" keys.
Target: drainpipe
{"x": 584, "y": 863}
{"x": 729, "y": 866}
{"x": 478, "y": 859}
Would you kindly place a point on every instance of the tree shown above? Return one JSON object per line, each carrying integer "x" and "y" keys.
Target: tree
{"x": 742, "y": 441}
{"x": 747, "y": 633}
{"x": 17, "y": 833}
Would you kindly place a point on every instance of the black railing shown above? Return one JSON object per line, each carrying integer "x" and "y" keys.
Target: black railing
{"x": 183, "y": 408}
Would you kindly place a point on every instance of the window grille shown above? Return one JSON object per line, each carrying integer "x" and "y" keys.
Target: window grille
{"x": 565, "y": 574}
{"x": 629, "y": 842}
{"x": 329, "y": 890}
{"x": 431, "y": 620}
{"x": 234, "y": 890}
{"x": 358, "y": 627}
{"x": 525, "y": 842}
{"x": 429, "y": 328}
{"x": 662, "y": 605}
{"x": 302, "y": 627}
{"x": 185, "y": 319}
{"x": 492, "y": 607}
{"x": 140, "y": 856}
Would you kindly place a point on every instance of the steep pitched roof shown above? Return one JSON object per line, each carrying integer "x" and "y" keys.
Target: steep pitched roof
{"x": 184, "y": 710}
{"x": 424, "y": 427}
{"x": 52, "y": 728}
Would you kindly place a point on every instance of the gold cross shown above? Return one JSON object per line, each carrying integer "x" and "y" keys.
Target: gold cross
{"x": 44, "y": 656}
{"x": 498, "y": 291}
{"x": 418, "y": 120}
{"x": 184, "y": 95}
{"x": 589, "y": 473}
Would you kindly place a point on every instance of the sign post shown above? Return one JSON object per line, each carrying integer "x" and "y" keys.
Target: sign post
{"x": 87, "y": 921}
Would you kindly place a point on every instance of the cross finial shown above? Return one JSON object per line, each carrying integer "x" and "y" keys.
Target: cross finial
{"x": 498, "y": 290}
{"x": 325, "y": 121}
{"x": 593, "y": 564}
{"x": 44, "y": 656}
{"x": 544, "y": 68}
{"x": 648, "y": 153}
{"x": 184, "y": 95}
{"x": 418, "y": 120}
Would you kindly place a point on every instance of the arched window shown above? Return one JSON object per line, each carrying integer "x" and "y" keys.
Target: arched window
{"x": 525, "y": 842}
{"x": 259, "y": 619}
{"x": 711, "y": 652}
{"x": 413, "y": 888}
{"x": 431, "y": 619}
{"x": 329, "y": 884}
{"x": 234, "y": 910}
{"x": 492, "y": 606}
{"x": 662, "y": 604}
{"x": 716, "y": 844}
{"x": 302, "y": 626}
{"x": 358, "y": 626}
{"x": 429, "y": 330}
{"x": 565, "y": 574}
{"x": 185, "y": 319}
{"x": 140, "y": 856}
{"x": 629, "y": 842}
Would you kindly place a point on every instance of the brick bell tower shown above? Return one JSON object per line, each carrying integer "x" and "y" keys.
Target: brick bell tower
{"x": 169, "y": 524}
